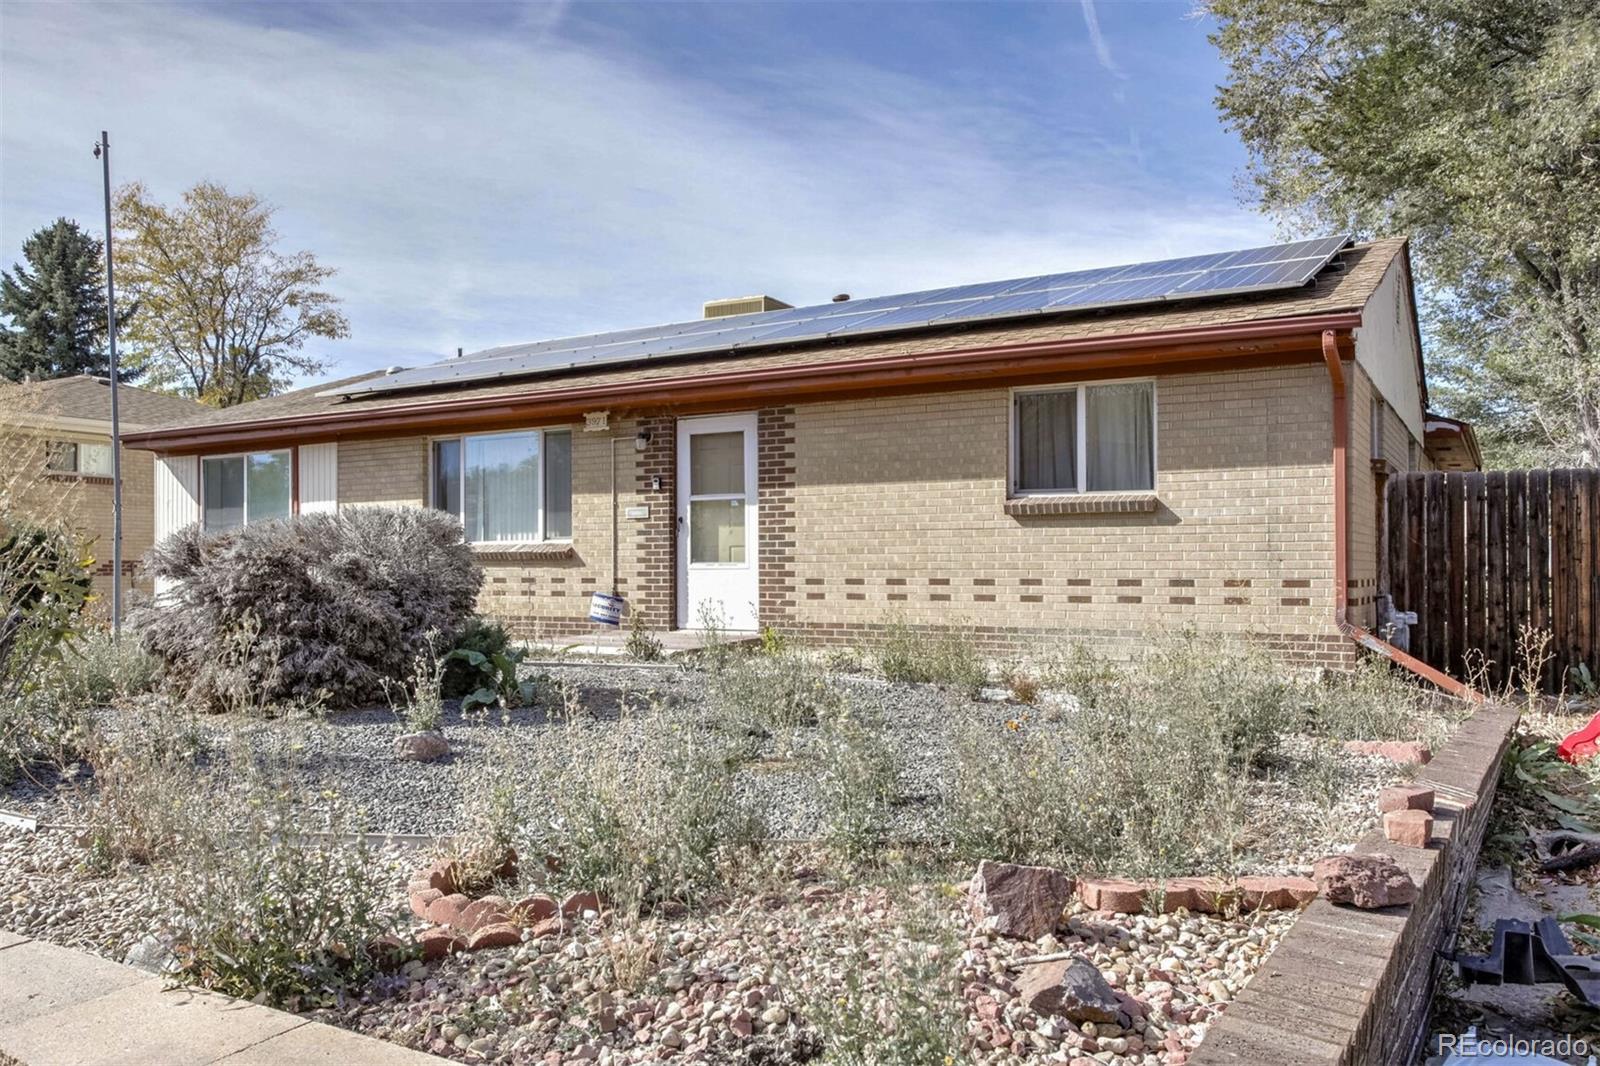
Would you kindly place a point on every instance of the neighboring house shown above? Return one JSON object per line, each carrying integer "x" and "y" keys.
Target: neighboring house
{"x": 57, "y": 437}
{"x": 1092, "y": 455}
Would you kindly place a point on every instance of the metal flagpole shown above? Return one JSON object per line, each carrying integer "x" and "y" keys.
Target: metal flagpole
{"x": 102, "y": 152}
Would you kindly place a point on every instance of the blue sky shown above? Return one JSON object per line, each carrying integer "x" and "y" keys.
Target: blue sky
{"x": 483, "y": 174}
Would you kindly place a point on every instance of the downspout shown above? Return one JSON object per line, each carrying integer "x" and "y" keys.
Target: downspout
{"x": 1341, "y": 539}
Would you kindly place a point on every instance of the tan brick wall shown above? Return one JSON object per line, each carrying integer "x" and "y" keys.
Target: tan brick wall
{"x": 895, "y": 507}
{"x": 85, "y": 504}
{"x": 899, "y": 506}
{"x": 540, "y": 598}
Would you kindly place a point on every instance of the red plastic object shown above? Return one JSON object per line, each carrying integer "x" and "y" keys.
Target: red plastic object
{"x": 1582, "y": 743}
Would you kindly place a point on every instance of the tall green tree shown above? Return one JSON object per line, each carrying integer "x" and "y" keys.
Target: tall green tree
{"x": 55, "y": 301}
{"x": 1473, "y": 126}
{"x": 224, "y": 315}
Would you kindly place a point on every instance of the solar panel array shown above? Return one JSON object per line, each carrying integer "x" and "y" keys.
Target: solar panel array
{"x": 1251, "y": 270}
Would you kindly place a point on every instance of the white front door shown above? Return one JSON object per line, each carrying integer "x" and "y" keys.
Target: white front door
{"x": 717, "y": 522}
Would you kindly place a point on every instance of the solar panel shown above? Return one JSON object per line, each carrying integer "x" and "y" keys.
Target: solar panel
{"x": 1273, "y": 267}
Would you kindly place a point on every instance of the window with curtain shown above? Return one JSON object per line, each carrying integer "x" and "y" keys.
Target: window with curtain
{"x": 237, "y": 489}
{"x": 506, "y": 487}
{"x": 79, "y": 457}
{"x": 1088, "y": 438}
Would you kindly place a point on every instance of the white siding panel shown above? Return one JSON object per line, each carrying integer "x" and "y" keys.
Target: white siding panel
{"x": 177, "y": 498}
{"x": 177, "y": 493}
{"x": 1386, "y": 347}
{"x": 319, "y": 478}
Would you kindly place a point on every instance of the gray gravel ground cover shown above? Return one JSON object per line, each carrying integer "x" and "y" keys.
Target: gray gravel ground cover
{"x": 598, "y": 706}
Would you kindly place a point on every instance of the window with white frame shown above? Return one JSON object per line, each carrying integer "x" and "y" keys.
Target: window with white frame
{"x": 79, "y": 457}
{"x": 237, "y": 489}
{"x": 1083, "y": 438}
{"x": 506, "y": 487}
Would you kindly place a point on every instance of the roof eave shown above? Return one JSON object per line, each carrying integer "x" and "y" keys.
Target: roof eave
{"x": 1280, "y": 339}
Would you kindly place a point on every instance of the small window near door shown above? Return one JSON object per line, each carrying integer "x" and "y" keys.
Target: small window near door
{"x": 239, "y": 489}
{"x": 1086, "y": 438}
{"x": 79, "y": 457}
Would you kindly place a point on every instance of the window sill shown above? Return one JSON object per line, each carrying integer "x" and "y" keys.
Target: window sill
{"x": 1083, "y": 503}
{"x": 82, "y": 479}
{"x": 511, "y": 551}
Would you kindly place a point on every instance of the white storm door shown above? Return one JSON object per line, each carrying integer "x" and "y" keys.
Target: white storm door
{"x": 717, "y": 521}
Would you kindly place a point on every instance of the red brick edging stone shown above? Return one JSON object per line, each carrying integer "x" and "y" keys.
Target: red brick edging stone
{"x": 1348, "y": 986}
{"x": 1201, "y": 895}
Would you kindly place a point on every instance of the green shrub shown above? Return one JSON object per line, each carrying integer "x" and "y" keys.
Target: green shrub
{"x": 99, "y": 668}
{"x": 856, "y": 781}
{"x": 898, "y": 1006}
{"x": 644, "y": 827}
{"x": 761, "y": 694}
{"x": 940, "y": 657}
{"x": 277, "y": 900}
{"x": 44, "y": 584}
{"x": 1146, "y": 775}
{"x": 322, "y": 607}
{"x": 482, "y": 670}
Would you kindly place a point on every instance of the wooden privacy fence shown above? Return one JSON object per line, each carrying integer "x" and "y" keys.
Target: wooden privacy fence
{"x": 1479, "y": 556}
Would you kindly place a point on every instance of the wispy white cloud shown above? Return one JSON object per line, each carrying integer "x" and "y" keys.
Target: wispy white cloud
{"x": 492, "y": 185}
{"x": 1102, "y": 51}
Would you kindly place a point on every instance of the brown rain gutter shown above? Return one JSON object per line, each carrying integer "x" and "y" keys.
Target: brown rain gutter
{"x": 1341, "y": 538}
{"x": 1272, "y": 340}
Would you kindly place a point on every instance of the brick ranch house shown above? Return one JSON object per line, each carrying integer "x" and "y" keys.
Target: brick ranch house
{"x": 1095, "y": 473}
{"x": 57, "y": 445}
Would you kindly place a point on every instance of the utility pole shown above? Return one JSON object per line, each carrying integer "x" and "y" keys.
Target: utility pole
{"x": 102, "y": 152}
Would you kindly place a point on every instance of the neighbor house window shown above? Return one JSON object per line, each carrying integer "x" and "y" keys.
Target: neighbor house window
{"x": 506, "y": 486}
{"x": 1087, "y": 438}
{"x": 78, "y": 457}
{"x": 236, "y": 489}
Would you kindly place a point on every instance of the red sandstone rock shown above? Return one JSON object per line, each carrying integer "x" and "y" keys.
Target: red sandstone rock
{"x": 534, "y": 909}
{"x": 548, "y": 927}
{"x": 1364, "y": 881}
{"x": 498, "y": 935}
{"x": 1402, "y": 751}
{"x": 438, "y": 942}
{"x": 1412, "y": 828}
{"x": 490, "y": 910}
{"x": 1018, "y": 901}
{"x": 445, "y": 875}
{"x": 579, "y": 902}
{"x": 1070, "y": 988}
{"x": 422, "y": 898}
{"x": 446, "y": 910}
{"x": 1277, "y": 893}
{"x": 1113, "y": 894}
{"x": 1405, "y": 798}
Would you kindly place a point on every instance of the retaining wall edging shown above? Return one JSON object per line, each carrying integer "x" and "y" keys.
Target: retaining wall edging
{"x": 1348, "y": 987}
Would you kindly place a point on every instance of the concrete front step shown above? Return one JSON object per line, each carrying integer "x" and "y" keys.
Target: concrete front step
{"x": 60, "y": 1007}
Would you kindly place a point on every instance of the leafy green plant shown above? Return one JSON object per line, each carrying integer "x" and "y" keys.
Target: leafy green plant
{"x": 772, "y": 642}
{"x": 482, "y": 669}
{"x": 1584, "y": 682}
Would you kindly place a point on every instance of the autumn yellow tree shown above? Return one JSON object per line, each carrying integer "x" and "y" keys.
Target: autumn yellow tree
{"x": 224, "y": 316}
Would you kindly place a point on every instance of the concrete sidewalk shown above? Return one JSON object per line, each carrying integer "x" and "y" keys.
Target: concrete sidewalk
{"x": 60, "y": 1007}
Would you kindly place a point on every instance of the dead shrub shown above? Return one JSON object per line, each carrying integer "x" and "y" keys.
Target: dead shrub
{"x": 319, "y": 607}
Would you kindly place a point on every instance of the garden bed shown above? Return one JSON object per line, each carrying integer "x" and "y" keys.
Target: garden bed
{"x": 782, "y": 848}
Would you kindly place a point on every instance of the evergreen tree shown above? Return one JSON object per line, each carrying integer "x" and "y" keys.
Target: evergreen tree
{"x": 55, "y": 302}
